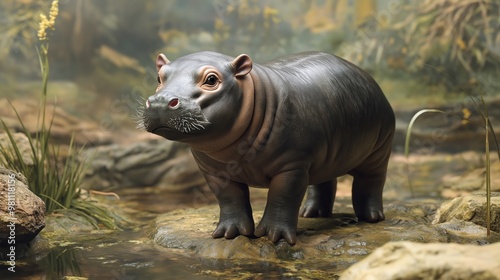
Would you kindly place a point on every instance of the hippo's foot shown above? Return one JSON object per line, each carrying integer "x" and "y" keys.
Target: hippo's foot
{"x": 235, "y": 209}
{"x": 230, "y": 227}
{"x": 367, "y": 198}
{"x": 371, "y": 214}
{"x": 275, "y": 230}
{"x": 312, "y": 211}
{"x": 319, "y": 201}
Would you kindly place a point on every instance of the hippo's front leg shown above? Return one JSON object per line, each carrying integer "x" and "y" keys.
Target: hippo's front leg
{"x": 285, "y": 195}
{"x": 235, "y": 209}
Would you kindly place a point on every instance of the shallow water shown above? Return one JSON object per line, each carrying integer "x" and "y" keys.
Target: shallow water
{"x": 122, "y": 255}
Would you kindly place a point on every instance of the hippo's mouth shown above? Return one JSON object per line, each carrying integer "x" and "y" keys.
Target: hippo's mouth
{"x": 186, "y": 124}
{"x": 161, "y": 128}
{"x": 167, "y": 123}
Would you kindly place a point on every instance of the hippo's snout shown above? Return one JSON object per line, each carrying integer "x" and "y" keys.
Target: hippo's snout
{"x": 174, "y": 114}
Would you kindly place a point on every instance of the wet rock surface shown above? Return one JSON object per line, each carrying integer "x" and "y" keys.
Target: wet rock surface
{"x": 26, "y": 214}
{"x": 408, "y": 260}
{"x": 321, "y": 241}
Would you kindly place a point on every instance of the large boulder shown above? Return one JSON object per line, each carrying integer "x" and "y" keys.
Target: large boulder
{"x": 63, "y": 125}
{"x": 22, "y": 213}
{"x": 150, "y": 162}
{"x": 410, "y": 260}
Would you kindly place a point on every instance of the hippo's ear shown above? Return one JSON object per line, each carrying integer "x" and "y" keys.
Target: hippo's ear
{"x": 242, "y": 65}
{"x": 161, "y": 60}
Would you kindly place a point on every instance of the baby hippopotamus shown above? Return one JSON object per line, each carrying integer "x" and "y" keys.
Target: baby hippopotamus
{"x": 290, "y": 125}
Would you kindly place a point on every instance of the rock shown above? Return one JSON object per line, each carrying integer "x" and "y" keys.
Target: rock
{"x": 325, "y": 248}
{"x": 409, "y": 260}
{"x": 338, "y": 238}
{"x": 472, "y": 181}
{"x": 28, "y": 213}
{"x": 154, "y": 162}
{"x": 467, "y": 232}
{"x": 63, "y": 123}
{"x": 470, "y": 208}
{"x": 22, "y": 144}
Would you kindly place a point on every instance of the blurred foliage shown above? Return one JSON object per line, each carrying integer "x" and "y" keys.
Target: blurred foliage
{"x": 435, "y": 39}
{"x": 109, "y": 47}
{"x": 18, "y": 26}
{"x": 264, "y": 29}
{"x": 102, "y": 49}
{"x": 246, "y": 24}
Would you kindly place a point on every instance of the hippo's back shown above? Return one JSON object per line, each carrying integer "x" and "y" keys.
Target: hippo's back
{"x": 333, "y": 86}
{"x": 337, "y": 105}
{"x": 331, "y": 79}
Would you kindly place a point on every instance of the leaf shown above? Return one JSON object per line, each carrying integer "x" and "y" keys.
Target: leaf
{"x": 479, "y": 56}
{"x": 460, "y": 43}
{"x": 466, "y": 115}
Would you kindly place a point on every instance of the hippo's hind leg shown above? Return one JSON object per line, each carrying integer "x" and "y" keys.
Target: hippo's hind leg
{"x": 367, "y": 197}
{"x": 319, "y": 201}
{"x": 368, "y": 185}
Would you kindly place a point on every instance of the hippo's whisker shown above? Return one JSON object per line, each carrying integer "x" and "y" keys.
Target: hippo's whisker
{"x": 140, "y": 99}
{"x": 187, "y": 123}
{"x": 138, "y": 117}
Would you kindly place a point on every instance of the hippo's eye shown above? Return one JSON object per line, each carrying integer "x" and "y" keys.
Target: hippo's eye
{"x": 158, "y": 79}
{"x": 211, "y": 80}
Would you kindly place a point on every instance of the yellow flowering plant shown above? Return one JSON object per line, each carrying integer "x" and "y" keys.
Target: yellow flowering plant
{"x": 48, "y": 23}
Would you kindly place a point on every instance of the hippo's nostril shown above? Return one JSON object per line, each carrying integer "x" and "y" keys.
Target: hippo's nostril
{"x": 174, "y": 103}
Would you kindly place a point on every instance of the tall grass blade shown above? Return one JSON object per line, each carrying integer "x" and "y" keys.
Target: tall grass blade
{"x": 488, "y": 167}
{"x": 407, "y": 141}
{"x": 488, "y": 182}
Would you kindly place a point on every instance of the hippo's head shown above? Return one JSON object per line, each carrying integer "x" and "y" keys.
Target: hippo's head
{"x": 199, "y": 97}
